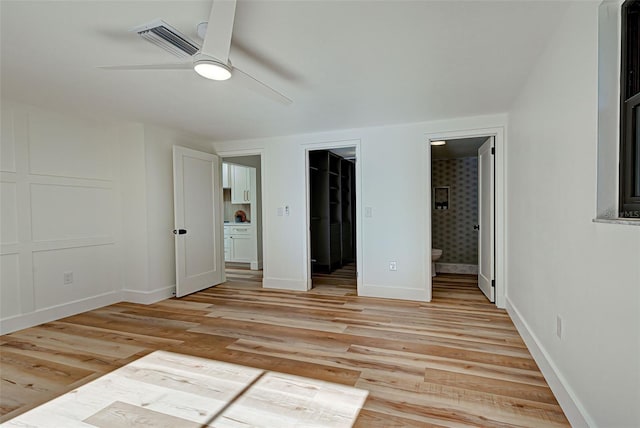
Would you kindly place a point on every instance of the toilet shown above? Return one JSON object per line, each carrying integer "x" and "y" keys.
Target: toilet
{"x": 435, "y": 255}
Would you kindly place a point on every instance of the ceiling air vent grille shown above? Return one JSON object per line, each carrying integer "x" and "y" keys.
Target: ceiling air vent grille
{"x": 168, "y": 38}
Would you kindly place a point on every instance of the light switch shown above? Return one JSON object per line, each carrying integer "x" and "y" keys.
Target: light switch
{"x": 280, "y": 210}
{"x": 286, "y": 210}
{"x": 368, "y": 212}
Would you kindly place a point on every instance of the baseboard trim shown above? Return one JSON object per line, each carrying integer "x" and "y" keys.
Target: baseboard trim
{"x": 573, "y": 409}
{"x": 255, "y": 265}
{"x": 285, "y": 284}
{"x": 399, "y": 293}
{"x": 54, "y": 313}
{"x": 148, "y": 297}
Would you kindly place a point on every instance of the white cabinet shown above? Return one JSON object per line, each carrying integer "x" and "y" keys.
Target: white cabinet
{"x": 226, "y": 176}
{"x": 242, "y": 248}
{"x": 227, "y": 243}
{"x": 240, "y": 184}
{"x": 240, "y": 244}
{"x": 241, "y": 239}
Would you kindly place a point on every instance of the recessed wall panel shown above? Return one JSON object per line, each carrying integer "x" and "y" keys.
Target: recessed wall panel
{"x": 8, "y": 213}
{"x": 66, "y": 147}
{"x": 198, "y": 214}
{"x": 9, "y": 285}
{"x": 69, "y": 212}
{"x": 7, "y": 143}
{"x": 92, "y": 270}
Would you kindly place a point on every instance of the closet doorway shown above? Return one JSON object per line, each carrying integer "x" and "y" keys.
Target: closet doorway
{"x": 332, "y": 219}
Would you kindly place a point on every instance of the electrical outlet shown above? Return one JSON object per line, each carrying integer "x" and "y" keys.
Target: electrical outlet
{"x": 68, "y": 278}
{"x": 393, "y": 266}
{"x": 559, "y": 327}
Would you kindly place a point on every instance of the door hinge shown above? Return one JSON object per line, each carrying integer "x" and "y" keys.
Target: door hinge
{"x": 493, "y": 150}
{"x": 493, "y": 283}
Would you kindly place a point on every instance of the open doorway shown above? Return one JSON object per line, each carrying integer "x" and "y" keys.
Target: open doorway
{"x": 463, "y": 217}
{"x": 242, "y": 215}
{"x": 332, "y": 219}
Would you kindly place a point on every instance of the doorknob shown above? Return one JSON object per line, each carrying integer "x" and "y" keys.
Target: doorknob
{"x": 476, "y": 227}
{"x": 179, "y": 231}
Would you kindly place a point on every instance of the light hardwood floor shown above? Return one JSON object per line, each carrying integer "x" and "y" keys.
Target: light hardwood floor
{"x": 457, "y": 361}
{"x": 340, "y": 282}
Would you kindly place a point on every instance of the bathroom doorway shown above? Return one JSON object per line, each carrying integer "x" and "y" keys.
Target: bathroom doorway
{"x": 463, "y": 215}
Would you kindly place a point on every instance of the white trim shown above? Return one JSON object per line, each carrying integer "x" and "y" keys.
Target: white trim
{"x": 285, "y": 284}
{"x": 393, "y": 292}
{"x": 500, "y": 199}
{"x": 572, "y": 407}
{"x": 625, "y": 221}
{"x": 325, "y": 145}
{"x": 41, "y": 316}
{"x": 148, "y": 297}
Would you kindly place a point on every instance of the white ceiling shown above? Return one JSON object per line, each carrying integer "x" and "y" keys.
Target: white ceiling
{"x": 345, "y": 64}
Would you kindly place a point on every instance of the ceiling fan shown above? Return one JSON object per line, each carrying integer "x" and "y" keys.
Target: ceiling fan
{"x": 211, "y": 60}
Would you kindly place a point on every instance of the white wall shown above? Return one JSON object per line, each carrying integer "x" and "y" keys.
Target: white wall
{"x": 60, "y": 213}
{"x": 560, "y": 263}
{"x": 147, "y": 163}
{"x": 87, "y": 196}
{"x": 394, "y": 173}
{"x": 135, "y": 246}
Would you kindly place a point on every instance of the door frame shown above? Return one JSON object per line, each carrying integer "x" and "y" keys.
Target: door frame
{"x": 500, "y": 192}
{"x": 252, "y": 152}
{"x": 326, "y": 146}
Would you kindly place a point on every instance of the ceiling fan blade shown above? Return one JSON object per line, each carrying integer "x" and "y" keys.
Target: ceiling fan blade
{"x": 217, "y": 41}
{"x": 258, "y": 86}
{"x": 178, "y": 66}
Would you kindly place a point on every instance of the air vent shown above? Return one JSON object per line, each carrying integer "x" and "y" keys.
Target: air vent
{"x": 168, "y": 38}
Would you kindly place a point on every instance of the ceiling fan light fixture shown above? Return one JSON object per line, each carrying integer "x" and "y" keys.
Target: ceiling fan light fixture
{"x": 212, "y": 69}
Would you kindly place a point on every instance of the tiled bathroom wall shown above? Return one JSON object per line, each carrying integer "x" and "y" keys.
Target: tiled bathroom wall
{"x": 452, "y": 229}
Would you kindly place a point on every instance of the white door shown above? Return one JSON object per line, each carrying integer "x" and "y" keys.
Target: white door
{"x": 486, "y": 217}
{"x": 197, "y": 202}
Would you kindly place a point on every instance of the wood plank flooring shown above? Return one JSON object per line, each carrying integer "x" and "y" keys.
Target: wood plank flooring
{"x": 456, "y": 361}
{"x": 340, "y": 282}
{"x": 166, "y": 389}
